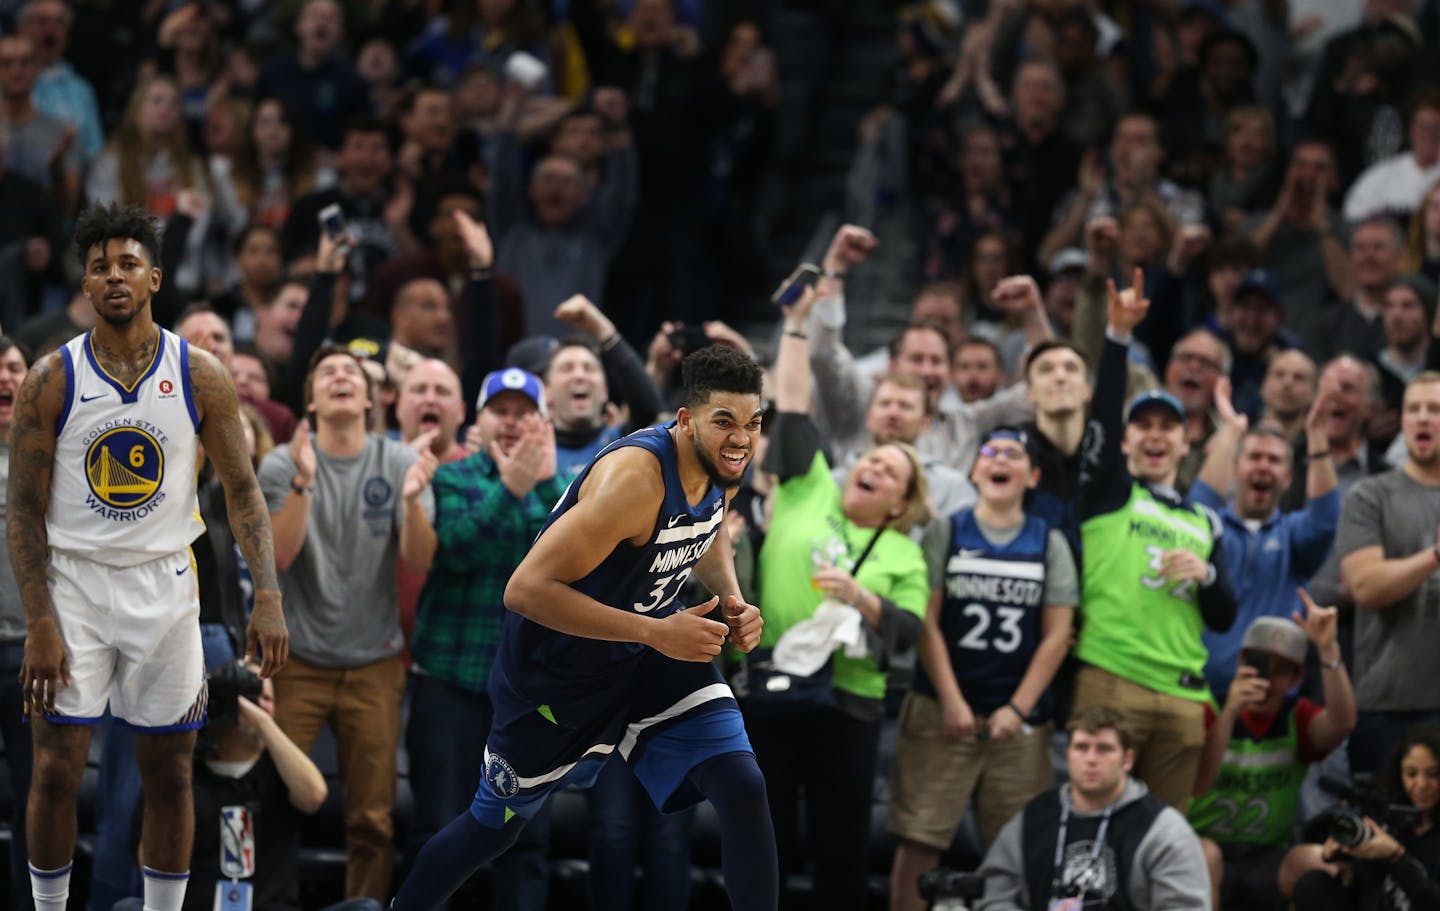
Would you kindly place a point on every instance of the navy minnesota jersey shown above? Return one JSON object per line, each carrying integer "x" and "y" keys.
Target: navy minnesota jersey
{"x": 645, "y": 580}
{"x": 122, "y": 490}
{"x": 990, "y": 615}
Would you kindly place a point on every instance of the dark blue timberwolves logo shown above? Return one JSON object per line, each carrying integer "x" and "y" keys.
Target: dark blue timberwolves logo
{"x": 501, "y": 777}
{"x": 125, "y": 467}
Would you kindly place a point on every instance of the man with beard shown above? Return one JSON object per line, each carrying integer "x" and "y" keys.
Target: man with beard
{"x": 579, "y": 679}
{"x": 1256, "y": 333}
{"x": 99, "y": 535}
{"x": 1388, "y": 558}
{"x": 577, "y": 377}
{"x": 1268, "y": 554}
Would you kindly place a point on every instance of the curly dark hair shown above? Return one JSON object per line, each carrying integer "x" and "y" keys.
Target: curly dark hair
{"x": 717, "y": 368}
{"x": 117, "y": 221}
{"x": 1418, "y": 735}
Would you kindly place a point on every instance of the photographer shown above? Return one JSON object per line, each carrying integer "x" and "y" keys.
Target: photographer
{"x": 252, "y": 786}
{"x": 1258, "y": 748}
{"x": 1394, "y": 866}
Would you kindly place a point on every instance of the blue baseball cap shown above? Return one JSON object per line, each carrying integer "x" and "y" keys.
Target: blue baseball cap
{"x": 513, "y": 379}
{"x": 1155, "y": 398}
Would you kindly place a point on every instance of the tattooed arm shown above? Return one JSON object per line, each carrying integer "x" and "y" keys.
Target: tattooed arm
{"x": 32, "y": 458}
{"x": 224, "y": 439}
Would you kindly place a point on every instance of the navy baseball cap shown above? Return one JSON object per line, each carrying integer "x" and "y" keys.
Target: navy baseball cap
{"x": 513, "y": 379}
{"x": 1155, "y": 398}
{"x": 1261, "y": 282}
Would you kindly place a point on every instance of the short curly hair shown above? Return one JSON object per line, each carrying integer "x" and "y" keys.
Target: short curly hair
{"x": 717, "y": 368}
{"x": 117, "y": 221}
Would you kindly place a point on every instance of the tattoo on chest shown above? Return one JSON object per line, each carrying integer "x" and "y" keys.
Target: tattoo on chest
{"x": 125, "y": 366}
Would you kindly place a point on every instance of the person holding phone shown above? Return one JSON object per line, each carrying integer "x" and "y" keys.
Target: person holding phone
{"x": 1258, "y": 749}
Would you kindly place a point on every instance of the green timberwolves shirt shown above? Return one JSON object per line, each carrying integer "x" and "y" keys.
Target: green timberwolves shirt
{"x": 1134, "y": 622}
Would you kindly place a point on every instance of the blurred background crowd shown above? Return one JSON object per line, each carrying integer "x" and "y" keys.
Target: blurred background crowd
{"x": 585, "y": 190}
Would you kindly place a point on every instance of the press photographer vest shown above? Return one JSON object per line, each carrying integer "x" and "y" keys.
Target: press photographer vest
{"x": 1126, "y": 830}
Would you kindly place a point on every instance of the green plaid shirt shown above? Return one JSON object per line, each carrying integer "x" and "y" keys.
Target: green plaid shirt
{"x": 483, "y": 533}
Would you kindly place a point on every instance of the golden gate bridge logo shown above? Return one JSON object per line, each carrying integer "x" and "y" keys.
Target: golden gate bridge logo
{"x": 124, "y": 467}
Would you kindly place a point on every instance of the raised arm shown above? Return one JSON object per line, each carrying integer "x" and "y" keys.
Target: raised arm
{"x": 224, "y": 438}
{"x": 1104, "y": 478}
{"x": 618, "y": 502}
{"x": 1218, "y": 470}
{"x": 1334, "y": 723}
{"x": 32, "y": 459}
{"x": 793, "y": 384}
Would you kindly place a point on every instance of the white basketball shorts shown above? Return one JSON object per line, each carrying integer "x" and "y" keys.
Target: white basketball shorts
{"x": 132, "y": 635}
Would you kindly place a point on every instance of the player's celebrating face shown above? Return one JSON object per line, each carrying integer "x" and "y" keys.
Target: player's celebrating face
{"x": 119, "y": 279}
{"x": 723, "y": 431}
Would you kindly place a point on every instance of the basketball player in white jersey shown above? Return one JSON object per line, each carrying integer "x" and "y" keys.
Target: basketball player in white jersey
{"x": 102, "y": 513}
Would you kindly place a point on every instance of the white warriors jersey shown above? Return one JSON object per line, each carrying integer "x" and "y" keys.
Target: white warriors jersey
{"x": 122, "y": 491}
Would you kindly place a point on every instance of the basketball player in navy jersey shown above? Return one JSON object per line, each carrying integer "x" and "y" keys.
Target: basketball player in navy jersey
{"x": 597, "y": 658}
{"x": 102, "y": 512}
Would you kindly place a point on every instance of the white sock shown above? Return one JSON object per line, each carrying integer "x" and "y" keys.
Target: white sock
{"x": 164, "y": 891}
{"x": 51, "y": 888}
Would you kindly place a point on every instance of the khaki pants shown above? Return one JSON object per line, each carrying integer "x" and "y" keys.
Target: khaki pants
{"x": 935, "y": 777}
{"x": 1169, "y": 731}
{"x": 361, "y": 705}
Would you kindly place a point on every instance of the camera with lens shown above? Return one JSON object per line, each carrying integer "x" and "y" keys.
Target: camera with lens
{"x": 227, "y": 683}
{"x": 1361, "y": 797}
{"x": 950, "y": 890}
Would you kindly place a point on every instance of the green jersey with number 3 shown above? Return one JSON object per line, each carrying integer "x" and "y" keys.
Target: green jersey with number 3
{"x": 1256, "y": 791}
{"x": 1138, "y": 624}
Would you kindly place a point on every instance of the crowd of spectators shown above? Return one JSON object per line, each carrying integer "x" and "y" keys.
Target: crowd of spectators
{"x": 1171, "y": 364}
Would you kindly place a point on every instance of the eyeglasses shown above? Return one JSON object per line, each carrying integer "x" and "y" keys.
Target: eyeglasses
{"x": 1006, "y": 454}
{"x": 1199, "y": 360}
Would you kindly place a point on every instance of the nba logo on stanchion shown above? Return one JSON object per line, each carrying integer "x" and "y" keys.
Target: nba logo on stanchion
{"x": 237, "y": 843}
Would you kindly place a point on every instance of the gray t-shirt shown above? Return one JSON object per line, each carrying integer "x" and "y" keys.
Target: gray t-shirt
{"x": 340, "y": 593}
{"x": 1062, "y": 585}
{"x": 12, "y": 613}
{"x": 1395, "y": 667}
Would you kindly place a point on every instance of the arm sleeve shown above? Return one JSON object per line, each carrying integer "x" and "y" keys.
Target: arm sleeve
{"x": 506, "y": 187}
{"x": 612, "y": 206}
{"x": 631, "y": 385}
{"x": 1004, "y": 871}
{"x": 1205, "y": 495}
{"x": 1411, "y": 876}
{"x": 275, "y": 474}
{"x": 480, "y": 350}
{"x": 1168, "y": 872}
{"x": 841, "y": 391}
{"x": 1062, "y": 580}
{"x": 1359, "y": 520}
{"x": 310, "y": 334}
{"x": 1104, "y": 480}
{"x": 1011, "y": 405}
{"x": 1217, "y": 600}
{"x": 936, "y": 546}
{"x": 1312, "y": 531}
{"x": 902, "y": 608}
{"x": 793, "y": 445}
